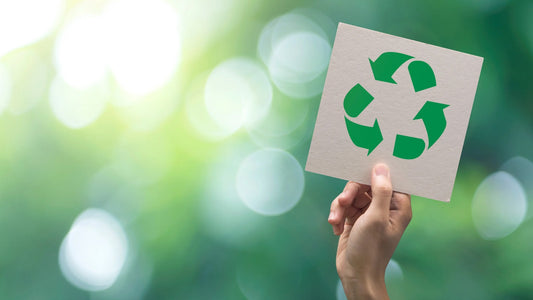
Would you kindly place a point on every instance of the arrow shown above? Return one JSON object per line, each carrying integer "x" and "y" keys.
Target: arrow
{"x": 364, "y": 136}
{"x": 422, "y": 75}
{"x": 357, "y": 100}
{"x": 432, "y": 114}
{"x": 408, "y": 147}
{"x": 386, "y": 64}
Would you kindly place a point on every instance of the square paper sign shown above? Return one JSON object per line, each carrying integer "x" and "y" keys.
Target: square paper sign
{"x": 398, "y": 101}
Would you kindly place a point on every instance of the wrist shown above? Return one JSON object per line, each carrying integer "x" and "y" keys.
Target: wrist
{"x": 364, "y": 287}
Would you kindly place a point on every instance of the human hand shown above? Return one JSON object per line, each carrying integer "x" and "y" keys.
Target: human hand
{"x": 370, "y": 221}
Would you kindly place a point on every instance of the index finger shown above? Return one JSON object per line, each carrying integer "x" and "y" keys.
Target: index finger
{"x": 351, "y": 193}
{"x": 350, "y": 197}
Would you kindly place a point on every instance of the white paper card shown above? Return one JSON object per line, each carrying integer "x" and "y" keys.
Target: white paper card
{"x": 398, "y": 101}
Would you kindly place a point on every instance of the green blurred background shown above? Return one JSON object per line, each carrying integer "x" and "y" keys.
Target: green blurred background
{"x": 155, "y": 149}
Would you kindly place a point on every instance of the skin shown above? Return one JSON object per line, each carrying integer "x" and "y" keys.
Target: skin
{"x": 370, "y": 221}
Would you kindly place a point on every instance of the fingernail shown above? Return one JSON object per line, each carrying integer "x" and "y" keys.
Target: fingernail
{"x": 381, "y": 170}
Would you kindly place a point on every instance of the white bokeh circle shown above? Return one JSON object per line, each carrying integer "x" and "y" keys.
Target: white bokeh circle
{"x": 296, "y": 51}
{"x": 237, "y": 93}
{"x": 197, "y": 114}
{"x": 286, "y": 124}
{"x": 79, "y": 55}
{"x": 522, "y": 169}
{"x": 499, "y": 206}
{"x": 94, "y": 251}
{"x": 143, "y": 43}
{"x": 74, "y": 107}
{"x": 24, "y": 22}
{"x": 225, "y": 217}
{"x": 270, "y": 181}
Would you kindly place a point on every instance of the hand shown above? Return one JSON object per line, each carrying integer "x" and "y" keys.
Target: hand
{"x": 370, "y": 222}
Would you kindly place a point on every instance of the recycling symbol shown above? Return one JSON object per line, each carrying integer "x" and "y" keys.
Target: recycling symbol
{"x": 431, "y": 113}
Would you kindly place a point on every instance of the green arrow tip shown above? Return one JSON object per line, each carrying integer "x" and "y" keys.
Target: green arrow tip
{"x": 378, "y": 137}
{"x": 386, "y": 65}
{"x": 430, "y": 110}
{"x": 432, "y": 114}
{"x": 367, "y": 137}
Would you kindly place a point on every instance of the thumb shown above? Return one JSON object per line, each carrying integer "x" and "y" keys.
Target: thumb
{"x": 381, "y": 191}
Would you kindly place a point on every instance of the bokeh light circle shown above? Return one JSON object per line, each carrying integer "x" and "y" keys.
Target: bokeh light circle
{"x": 522, "y": 169}
{"x": 288, "y": 64}
{"x": 143, "y": 43}
{"x": 197, "y": 114}
{"x": 79, "y": 56}
{"x": 77, "y": 108}
{"x": 287, "y": 124}
{"x": 225, "y": 217}
{"x": 270, "y": 181}
{"x": 5, "y": 88}
{"x": 94, "y": 251}
{"x": 296, "y": 51}
{"x": 499, "y": 206}
{"x": 237, "y": 93}
{"x": 24, "y": 22}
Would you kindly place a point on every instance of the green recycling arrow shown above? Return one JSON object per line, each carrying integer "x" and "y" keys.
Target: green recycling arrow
{"x": 386, "y": 65}
{"x": 357, "y": 100}
{"x": 422, "y": 75}
{"x": 432, "y": 114}
{"x": 367, "y": 137}
{"x": 408, "y": 147}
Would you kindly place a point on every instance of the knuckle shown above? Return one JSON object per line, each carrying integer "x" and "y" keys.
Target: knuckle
{"x": 342, "y": 199}
{"x": 333, "y": 205}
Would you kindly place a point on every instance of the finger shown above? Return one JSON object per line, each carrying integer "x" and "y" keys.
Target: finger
{"x": 351, "y": 192}
{"x": 335, "y": 212}
{"x": 352, "y": 213}
{"x": 347, "y": 205}
{"x": 381, "y": 191}
{"x": 343, "y": 201}
{"x": 336, "y": 216}
{"x": 401, "y": 211}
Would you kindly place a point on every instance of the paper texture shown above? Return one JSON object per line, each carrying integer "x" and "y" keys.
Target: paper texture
{"x": 347, "y": 116}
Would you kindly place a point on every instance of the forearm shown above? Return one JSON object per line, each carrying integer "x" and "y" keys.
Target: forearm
{"x": 362, "y": 289}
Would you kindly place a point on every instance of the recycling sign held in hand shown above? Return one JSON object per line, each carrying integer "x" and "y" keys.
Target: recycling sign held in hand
{"x": 431, "y": 113}
{"x": 392, "y": 100}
